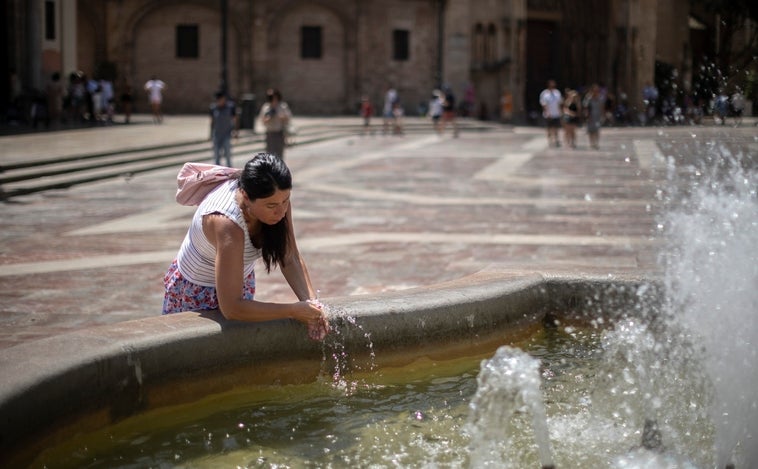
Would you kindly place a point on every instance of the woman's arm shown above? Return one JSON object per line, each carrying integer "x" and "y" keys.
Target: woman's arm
{"x": 294, "y": 269}
{"x": 229, "y": 240}
{"x": 296, "y": 273}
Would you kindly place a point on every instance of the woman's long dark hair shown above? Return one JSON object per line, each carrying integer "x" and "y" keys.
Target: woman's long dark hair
{"x": 260, "y": 178}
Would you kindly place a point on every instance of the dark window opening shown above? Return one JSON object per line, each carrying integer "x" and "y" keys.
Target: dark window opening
{"x": 50, "y": 21}
{"x": 490, "y": 49}
{"x": 400, "y": 44}
{"x": 310, "y": 42}
{"x": 187, "y": 39}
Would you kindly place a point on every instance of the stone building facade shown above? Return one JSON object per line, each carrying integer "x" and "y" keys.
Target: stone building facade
{"x": 325, "y": 54}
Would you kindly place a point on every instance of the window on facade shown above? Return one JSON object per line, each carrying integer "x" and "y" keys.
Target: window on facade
{"x": 400, "y": 44}
{"x": 187, "y": 38}
{"x": 490, "y": 49}
{"x": 49, "y": 20}
{"x": 478, "y": 43}
{"x": 310, "y": 42}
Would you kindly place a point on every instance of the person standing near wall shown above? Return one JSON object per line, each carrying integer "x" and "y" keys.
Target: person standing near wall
{"x": 54, "y": 91}
{"x": 275, "y": 116}
{"x": 223, "y": 128}
{"x": 154, "y": 88}
{"x": 448, "y": 111}
{"x": 126, "y": 102}
{"x": 594, "y": 106}
{"x": 435, "y": 110}
{"x": 388, "y": 117}
{"x": 367, "y": 110}
{"x": 550, "y": 100}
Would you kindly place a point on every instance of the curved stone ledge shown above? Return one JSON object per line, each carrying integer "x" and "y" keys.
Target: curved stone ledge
{"x": 108, "y": 371}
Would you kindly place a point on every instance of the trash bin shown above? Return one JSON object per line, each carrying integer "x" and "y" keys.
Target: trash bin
{"x": 247, "y": 112}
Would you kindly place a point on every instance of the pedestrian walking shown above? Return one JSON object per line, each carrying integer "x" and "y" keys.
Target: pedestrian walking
{"x": 155, "y": 89}
{"x": 276, "y": 116}
{"x": 594, "y": 106}
{"x": 54, "y": 92}
{"x": 127, "y": 101}
{"x": 388, "y": 115}
{"x": 550, "y": 100}
{"x": 223, "y": 127}
{"x": 572, "y": 109}
{"x": 448, "y": 111}
{"x": 435, "y": 109}
{"x": 367, "y": 110}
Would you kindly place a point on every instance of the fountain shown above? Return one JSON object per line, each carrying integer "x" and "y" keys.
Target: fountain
{"x": 147, "y": 372}
{"x": 509, "y": 380}
{"x": 685, "y": 373}
{"x": 711, "y": 266}
{"x": 651, "y": 372}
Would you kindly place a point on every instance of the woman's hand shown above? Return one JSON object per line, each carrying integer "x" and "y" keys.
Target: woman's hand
{"x": 313, "y": 316}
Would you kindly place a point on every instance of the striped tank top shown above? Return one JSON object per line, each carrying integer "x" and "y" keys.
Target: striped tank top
{"x": 197, "y": 256}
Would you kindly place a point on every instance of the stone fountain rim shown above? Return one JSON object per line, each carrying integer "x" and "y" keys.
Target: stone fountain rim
{"x": 103, "y": 361}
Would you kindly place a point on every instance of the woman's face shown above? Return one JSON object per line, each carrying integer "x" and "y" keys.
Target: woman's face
{"x": 270, "y": 210}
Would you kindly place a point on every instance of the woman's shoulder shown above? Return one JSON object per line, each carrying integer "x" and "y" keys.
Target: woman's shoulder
{"x": 222, "y": 199}
{"x": 220, "y": 230}
{"x": 220, "y": 221}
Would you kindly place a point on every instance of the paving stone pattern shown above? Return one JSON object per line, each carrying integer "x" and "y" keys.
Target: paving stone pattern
{"x": 372, "y": 213}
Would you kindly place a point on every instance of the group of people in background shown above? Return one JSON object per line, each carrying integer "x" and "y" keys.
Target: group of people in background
{"x": 441, "y": 109}
{"x": 86, "y": 101}
{"x": 689, "y": 108}
{"x": 569, "y": 110}
{"x": 597, "y": 107}
{"x": 80, "y": 100}
{"x": 274, "y": 115}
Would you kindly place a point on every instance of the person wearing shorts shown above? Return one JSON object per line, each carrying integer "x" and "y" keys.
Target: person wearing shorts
{"x": 551, "y": 101}
{"x": 242, "y": 220}
{"x": 154, "y": 88}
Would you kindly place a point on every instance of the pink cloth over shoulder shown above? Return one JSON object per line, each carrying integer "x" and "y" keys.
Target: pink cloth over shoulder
{"x": 196, "y": 180}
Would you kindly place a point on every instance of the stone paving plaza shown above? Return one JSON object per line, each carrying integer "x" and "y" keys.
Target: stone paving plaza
{"x": 372, "y": 213}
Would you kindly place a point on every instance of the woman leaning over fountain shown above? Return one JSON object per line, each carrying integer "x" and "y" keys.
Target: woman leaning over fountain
{"x": 241, "y": 220}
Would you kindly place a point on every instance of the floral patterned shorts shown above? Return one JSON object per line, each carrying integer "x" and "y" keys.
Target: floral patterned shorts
{"x": 183, "y": 295}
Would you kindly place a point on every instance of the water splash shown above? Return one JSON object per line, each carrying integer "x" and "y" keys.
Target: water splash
{"x": 509, "y": 382}
{"x": 711, "y": 274}
{"x": 335, "y": 351}
{"x": 679, "y": 383}
{"x": 651, "y": 386}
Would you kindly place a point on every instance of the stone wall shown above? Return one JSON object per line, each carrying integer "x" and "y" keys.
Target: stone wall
{"x": 612, "y": 41}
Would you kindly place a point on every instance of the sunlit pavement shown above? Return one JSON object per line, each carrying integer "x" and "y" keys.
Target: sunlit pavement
{"x": 373, "y": 213}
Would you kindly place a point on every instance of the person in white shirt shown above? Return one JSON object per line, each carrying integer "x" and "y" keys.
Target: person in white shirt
{"x": 154, "y": 88}
{"x": 242, "y": 220}
{"x": 276, "y": 116}
{"x": 551, "y": 100}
